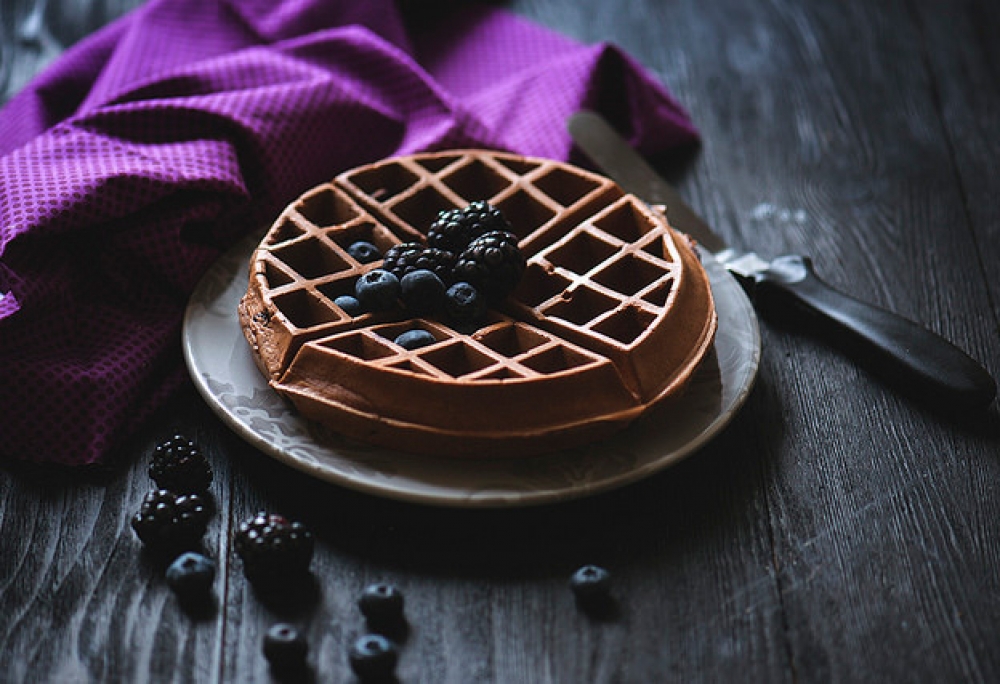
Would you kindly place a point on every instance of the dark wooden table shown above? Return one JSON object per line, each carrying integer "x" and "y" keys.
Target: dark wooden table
{"x": 835, "y": 531}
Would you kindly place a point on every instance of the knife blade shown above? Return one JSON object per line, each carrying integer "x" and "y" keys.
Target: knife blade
{"x": 910, "y": 357}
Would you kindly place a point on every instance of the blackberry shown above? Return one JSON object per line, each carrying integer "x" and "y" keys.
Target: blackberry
{"x": 179, "y": 465}
{"x": 407, "y": 257}
{"x": 454, "y": 229}
{"x": 170, "y": 521}
{"x": 273, "y": 548}
{"x": 493, "y": 264}
{"x": 373, "y": 657}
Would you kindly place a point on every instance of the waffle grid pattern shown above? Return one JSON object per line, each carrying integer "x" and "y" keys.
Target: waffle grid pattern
{"x": 587, "y": 342}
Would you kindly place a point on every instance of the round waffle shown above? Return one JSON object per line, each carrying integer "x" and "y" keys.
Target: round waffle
{"x": 612, "y": 316}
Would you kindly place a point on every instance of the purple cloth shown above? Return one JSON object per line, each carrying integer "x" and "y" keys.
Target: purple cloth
{"x": 144, "y": 151}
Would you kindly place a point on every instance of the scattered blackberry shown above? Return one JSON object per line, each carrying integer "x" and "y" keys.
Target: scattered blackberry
{"x": 285, "y": 647}
{"x": 179, "y": 465}
{"x": 407, "y": 257}
{"x": 191, "y": 575}
{"x": 422, "y": 291}
{"x": 493, "y": 264}
{"x": 273, "y": 548}
{"x": 373, "y": 657}
{"x": 381, "y": 604}
{"x": 377, "y": 290}
{"x": 170, "y": 521}
{"x": 454, "y": 229}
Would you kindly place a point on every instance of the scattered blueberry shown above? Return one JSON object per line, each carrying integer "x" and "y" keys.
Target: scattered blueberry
{"x": 415, "y": 339}
{"x": 373, "y": 657}
{"x": 191, "y": 574}
{"x": 349, "y": 305}
{"x": 377, "y": 290}
{"x": 422, "y": 291}
{"x": 285, "y": 647}
{"x": 590, "y": 582}
{"x": 464, "y": 303}
{"x": 381, "y": 604}
{"x": 363, "y": 251}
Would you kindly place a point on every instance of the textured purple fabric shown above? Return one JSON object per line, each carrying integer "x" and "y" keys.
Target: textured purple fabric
{"x": 144, "y": 151}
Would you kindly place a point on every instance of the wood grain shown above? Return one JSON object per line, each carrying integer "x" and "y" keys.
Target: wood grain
{"x": 835, "y": 531}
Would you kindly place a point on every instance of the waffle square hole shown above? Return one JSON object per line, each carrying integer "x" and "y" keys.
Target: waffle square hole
{"x": 629, "y": 275}
{"x": 326, "y": 207}
{"x": 475, "y": 180}
{"x": 457, "y": 359}
{"x": 283, "y": 232}
{"x": 358, "y": 345}
{"x": 538, "y": 286}
{"x": 384, "y": 182}
{"x": 555, "y": 360}
{"x": 340, "y": 286}
{"x": 525, "y": 213}
{"x": 565, "y": 187}
{"x": 435, "y": 164}
{"x": 512, "y": 340}
{"x": 582, "y": 253}
{"x": 658, "y": 295}
{"x": 582, "y": 305}
{"x": 304, "y": 310}
{"x": 521, "y": 167}
{"x": 626, "y": 222}
{"x": 420, "y": 209}
{"x": 626, "y": 325}
{"x": 311, "y": 258}
{"x": 275, "y": 275}
{"x": 367, "y": 232}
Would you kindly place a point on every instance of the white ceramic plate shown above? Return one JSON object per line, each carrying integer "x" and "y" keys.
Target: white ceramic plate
{"x": 219, "y": 360}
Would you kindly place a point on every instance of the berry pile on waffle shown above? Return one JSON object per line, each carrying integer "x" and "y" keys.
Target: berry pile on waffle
{"x": 560, "y": 308}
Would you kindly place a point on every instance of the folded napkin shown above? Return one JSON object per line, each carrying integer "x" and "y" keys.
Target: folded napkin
{"x": 143, "y": 152}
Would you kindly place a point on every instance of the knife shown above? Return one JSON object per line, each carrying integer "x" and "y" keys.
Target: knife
{"x": 910, "y": 357}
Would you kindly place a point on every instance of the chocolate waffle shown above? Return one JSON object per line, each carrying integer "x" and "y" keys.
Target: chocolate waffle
{"x": 612, "y": 316}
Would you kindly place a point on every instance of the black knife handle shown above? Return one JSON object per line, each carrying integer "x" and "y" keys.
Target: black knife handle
{"x": 902, "y": 352}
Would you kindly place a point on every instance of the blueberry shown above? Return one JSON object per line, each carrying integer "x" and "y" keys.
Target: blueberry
{"x": 377, "y": 290}
{"x": 191, "y": 574}
{"x": 350, "y": 305}
{"x": 285, "y": 647}
{"x": 365, "y": 252}
{"x": 590, "y": 582}
{"x": 381, "y": 604}
{"x": 422, "y": 291}
{"x": 415, "y": 339}
{"x": 373, "y": 657}
{"x": 464, "y": 303}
